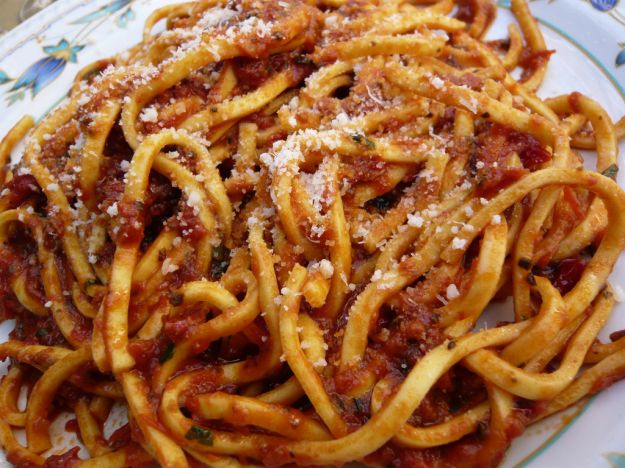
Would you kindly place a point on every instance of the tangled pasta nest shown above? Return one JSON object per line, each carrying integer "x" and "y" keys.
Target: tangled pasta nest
{"x": 270, "y": 230}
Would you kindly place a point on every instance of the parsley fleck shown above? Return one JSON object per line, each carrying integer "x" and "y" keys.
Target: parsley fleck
{"x": 525, "y": 263}
{"x": 167, "y": 353}
{"x": 176, "y": 299}
{"x": 203, "y": 436}
{"x": 360, "y": 139}
{"x": 90, "y": 282}
{"x": 481, "y": 429}
{"x": 611, "y": 171}
{"x": 360, "y": 405}
{"x": 220, "y": 261}
{"x": 383, "y": 202}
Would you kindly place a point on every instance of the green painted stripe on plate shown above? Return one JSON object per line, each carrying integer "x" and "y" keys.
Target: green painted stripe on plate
{"x": 506, "y": 4}
{"x": 50, "y": 109}
{"x": 586, "y": 52}
{"x": 554, "y": 438}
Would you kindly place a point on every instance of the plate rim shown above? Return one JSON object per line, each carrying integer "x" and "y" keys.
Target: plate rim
{"x": 28, "y": 29}
{"x": 37, "y": 24}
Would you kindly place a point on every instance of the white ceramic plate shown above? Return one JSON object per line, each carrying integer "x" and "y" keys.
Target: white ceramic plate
{"x": 39, "y": 59}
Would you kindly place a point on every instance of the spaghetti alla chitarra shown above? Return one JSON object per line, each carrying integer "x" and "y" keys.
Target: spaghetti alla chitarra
{"x": 270, "y": 229}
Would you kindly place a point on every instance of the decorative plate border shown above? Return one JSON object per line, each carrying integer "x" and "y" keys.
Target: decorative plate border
{"x": 51, "y": 54}
{"x": 55, "y": 57}
{"x": 611, "y": 10}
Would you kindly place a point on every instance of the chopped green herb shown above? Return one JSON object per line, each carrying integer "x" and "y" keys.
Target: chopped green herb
{"x": 176, "y": 299}
{"x": 451, "y": 344}
{"x": 167, "y": 353}
{"x": 41, "y": 332}
{"x": 220, "y": 261}
{"x": 525, "y": 263}
{"x": 203, "y": 436}
{"x": 303, "y": 60}
{"x": 482, "y": 429}
{"x": 90, "y": 282}
{"x": 360, "y": 139}
{"x": 360, "y": 405}
{"x": 611, "y": 171}
{"x": 382, "y": 203}
{"x": 339, "y": 402}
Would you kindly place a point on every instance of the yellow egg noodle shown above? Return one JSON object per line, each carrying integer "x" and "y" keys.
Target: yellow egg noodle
{"x": 270, "y": 229}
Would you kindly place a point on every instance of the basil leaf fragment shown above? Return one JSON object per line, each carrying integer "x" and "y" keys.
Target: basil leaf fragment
{"x": 360, "y": 405}
{"x": 363, "y": 140}
{"x": 203, "y": 436}
{"x": 167, "y": 353}
{"x": 611, "y": 171}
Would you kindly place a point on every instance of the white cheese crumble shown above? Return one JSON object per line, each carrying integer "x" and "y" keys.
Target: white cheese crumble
{"x": 149, "y": 114}
{"x": 112, "y": 210}
{"x": 415, "y": 221}
{"x": 83, "y": 100}
{"x": 437, "y": 82}
{"x": 458, "y": 244}
{"x": 168, "y": 266}
{"x": 452, "y": 292}
{"x": 194, "y": 200}
{"x": 320, "y": 363}
{"x": 324, "y": 267}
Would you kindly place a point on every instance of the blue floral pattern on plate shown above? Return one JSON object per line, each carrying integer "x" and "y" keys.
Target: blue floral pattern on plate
{"x": 4, "y": 78}
{"x": 617, "y": 460}
{"x": 108, "y": 10}
{"x": 45, "y": 70}
{"x": 604, "y": 5}
{"x": 620, "y": 58}
{"x": 90, "y": 22}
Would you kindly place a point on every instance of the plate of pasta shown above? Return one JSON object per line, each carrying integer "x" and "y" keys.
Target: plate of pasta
{"x": 313, "y": 233}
